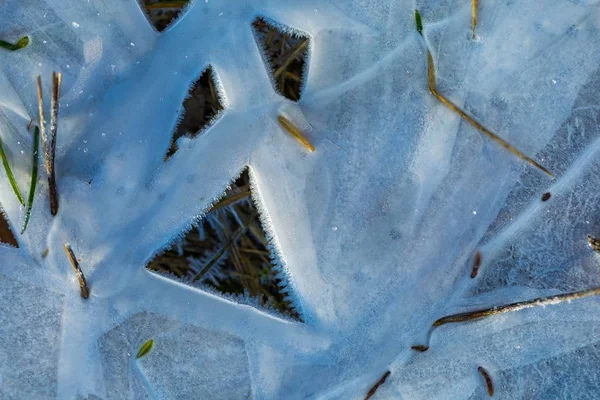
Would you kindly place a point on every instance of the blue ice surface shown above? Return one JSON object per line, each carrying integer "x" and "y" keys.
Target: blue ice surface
{"x": 374, "y": 232}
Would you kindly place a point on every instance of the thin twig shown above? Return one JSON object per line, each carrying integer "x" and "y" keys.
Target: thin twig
{"x": 464, "y": 115}
{"x": 34, "y": 173}
{"x": 85, "y": 292}
{"x": 54, "y": 106}
{"x": 380, "y": 382}
{"x": 473, "y": 17}
{"x": 295, "y": 132}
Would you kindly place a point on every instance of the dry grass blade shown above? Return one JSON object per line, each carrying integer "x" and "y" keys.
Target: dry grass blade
{"x": 432, "y": 88}
{"x": 54, "y": 106}
{"x": 473, "y": 17}
{"x": 490, "y": 134}
{"x": 380, "y": 382}
{"x": 223, "y": 249}
{"x": 295, "y": 132}
{"x": 232, "y": 199}
{"x": 34, "y": 173}
{"x": 538, "y": 302}
{"x": 40, "y": 99}
{"x": 85, "y": 292}
{"x": 300, "y": 47}
{"x": 512, "y": 307}
{"x": 166, "y": 4}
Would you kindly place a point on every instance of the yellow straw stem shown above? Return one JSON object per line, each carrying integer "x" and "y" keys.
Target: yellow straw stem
{"x": 295, "y": 132}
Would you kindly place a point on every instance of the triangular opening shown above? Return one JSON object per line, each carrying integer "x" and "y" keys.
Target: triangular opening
{"x": 229, "y": 252}
{"x": 6, "y": 234}
{"x": 162, "y": 14}
{"x": 285, "y": 52}
{"x": 200, "y": 109}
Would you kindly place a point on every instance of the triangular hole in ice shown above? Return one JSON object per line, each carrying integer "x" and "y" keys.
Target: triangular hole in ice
{"x": 285, "y": 52}
{"x": 229, "y": 252}
{"x": 200, "y": 108}
{"x": 162, "y": 14}
{"x": 6, "y": 234}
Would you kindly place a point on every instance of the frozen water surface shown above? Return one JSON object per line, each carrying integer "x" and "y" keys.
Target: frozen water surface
{"x": 375, "y": 231}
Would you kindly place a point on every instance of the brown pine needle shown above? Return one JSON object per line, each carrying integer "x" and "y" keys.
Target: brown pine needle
{"x": 380, "y": 382}
{"x": 473, "y": 16}
{"x": 488, "y": 381}
{"x": 467, "y": 117}
{"x": 85, "y": 292}
{"x": 295, "y": 132}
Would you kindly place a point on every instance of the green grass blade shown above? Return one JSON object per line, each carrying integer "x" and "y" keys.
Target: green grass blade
{"x": 9, "y": 175}
{"x": 419, "y": 22}
{"x": 145, "y": 349}
{"x": 34, "y": 173}
{"x": 23, "y": 42}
